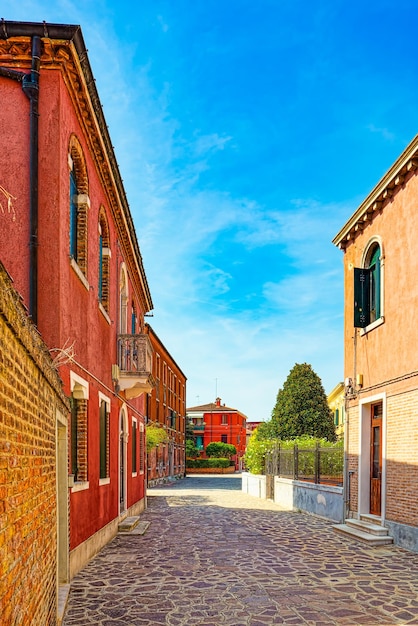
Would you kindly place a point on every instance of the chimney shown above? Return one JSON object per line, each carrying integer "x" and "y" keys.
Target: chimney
{"x": 218, "y": 402}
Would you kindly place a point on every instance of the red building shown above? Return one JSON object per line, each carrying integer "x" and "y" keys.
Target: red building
{"x": 217, "y": 422}
{"x": 167, "y": 409}
{"x": 68, "y": 240}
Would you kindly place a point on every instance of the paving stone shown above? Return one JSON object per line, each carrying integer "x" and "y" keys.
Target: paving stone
{"x": 208, "y": 555}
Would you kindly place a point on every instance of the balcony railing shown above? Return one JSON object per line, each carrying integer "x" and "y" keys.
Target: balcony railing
{"x": 198, "y": 427}
{"x": 135, "y": 365}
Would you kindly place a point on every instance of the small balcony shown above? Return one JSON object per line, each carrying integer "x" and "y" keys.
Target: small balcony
{"x": 135, "y": 365}
{"x": 198, "y": 426}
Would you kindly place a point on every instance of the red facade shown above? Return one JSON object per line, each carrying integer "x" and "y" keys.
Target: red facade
{"x": 167, "y": 410}
{"x": 217, "y": 422}
{"x": 68, "y": 241}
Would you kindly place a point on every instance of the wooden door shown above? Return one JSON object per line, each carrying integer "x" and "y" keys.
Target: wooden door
{"x": 376, "y": 459}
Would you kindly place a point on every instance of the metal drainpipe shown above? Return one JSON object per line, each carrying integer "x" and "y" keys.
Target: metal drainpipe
{"x": 30, "y": 86}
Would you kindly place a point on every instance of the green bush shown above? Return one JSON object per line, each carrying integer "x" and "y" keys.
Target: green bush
{"x": 257, "y": 449}
{"x": 191, "y": 449}
{"x": 154, "y": 436}
{"x": 214, "y": 462}
{"x": 220, "y": 450}
{"x": 255, "y": 454}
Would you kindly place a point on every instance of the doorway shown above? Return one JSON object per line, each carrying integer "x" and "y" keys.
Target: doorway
{"x": 372, "y": 456}
{"x": 376, "y": 413}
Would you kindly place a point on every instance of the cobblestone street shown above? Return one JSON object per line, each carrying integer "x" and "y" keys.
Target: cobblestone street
{"x": 213, "y": 556}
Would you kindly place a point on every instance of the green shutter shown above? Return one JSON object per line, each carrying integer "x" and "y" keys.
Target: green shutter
{"x": 134, "y": 447}
{"x": 74, "y": 437}
{"x": 103, "y": 439}
{"x": 361, "y": 297}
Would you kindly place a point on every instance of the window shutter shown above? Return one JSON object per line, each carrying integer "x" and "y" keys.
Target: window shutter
{"x": 103, "y": 439}
{"x": 73, "y": 216}
{"x": 100, "y": 268}
{"x": 361, "y": 297}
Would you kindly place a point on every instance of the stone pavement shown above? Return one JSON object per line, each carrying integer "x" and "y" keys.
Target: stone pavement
{"x": 213, "y": 556}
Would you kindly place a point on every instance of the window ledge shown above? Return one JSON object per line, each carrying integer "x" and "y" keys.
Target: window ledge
{"x": 104, "y": 313}
{"x": 79, "y": 273}
{"x": 104, "y": 481}
{"x": 372, "y": 326}
{"x": 134, "y": 474}
{"x": 80, "y": 486}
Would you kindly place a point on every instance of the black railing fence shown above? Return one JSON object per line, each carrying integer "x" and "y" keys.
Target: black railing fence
{"x": 314, "y": 465}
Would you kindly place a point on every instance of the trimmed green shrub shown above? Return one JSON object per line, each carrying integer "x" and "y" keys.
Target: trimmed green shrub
{"x": 214, "y": 462}
{"x": 220, "y": 450}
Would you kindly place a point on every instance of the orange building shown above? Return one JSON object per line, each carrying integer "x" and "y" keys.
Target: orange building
{"x": 380, "y": 246}
{"x": 217, "y": 422}
{"x": 166, "y": 406}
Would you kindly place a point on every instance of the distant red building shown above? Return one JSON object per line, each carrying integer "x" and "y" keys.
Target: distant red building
{"x": 217, "y": 422}
{"x": 166, "y": 407}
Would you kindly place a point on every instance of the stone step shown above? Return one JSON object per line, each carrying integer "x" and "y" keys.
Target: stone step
{"x": 367, "y": 527}
{"x": 128, "y": 524}
{"x": 361, "y": 535}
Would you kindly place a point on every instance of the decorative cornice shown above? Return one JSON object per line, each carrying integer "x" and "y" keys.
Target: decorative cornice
{"x": 396, "y": 177}
{"x": 63, "y": 49}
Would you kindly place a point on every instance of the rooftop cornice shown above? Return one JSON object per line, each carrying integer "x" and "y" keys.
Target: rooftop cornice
{"x": 384, "y": 191}
{"x": 63, "y": 48}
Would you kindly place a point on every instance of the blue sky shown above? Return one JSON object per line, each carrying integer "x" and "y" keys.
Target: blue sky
{"x": 246, "y": 134}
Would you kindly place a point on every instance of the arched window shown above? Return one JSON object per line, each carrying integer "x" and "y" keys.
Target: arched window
{"x": 79, "y": 204}
{"x": 104, "y": 261}
{"x": 368, "y": 288}
{"x": 123, "y": 300}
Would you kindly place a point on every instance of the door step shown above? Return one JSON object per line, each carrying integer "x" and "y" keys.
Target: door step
{"x": 133, "y": 525}
{"x": 128, "y": 524}
{"x": 366, "y": 529}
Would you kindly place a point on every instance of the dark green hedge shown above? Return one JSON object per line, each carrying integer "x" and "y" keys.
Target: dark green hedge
{"x": 191, "y": 463}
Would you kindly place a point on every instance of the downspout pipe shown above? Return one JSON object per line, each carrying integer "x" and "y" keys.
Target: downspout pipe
{"x": 30, "y": 86}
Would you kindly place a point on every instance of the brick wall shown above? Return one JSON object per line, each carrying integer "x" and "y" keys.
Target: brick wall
{"x": 402, "y": 458}
{"x": 353, "y": 459}
{"x": 30, "y": 395}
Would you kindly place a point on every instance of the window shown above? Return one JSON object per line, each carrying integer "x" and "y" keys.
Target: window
{"x": 133, "y": 318}
{"x": 134, "y": 447}
{"x": 104, "y": 261}
{"x": 79, "y": 428}
{"x": 367, "y": 289}
{"x": 104, "y": 412}
{"x": 73, "y": 215}
{"x": 337, "y": 417}
{"x": 79, "y": 205}
{"x": 224, "y": 419}
{"x": 224, "y": 438}
{"x": 123, "y": 300}
{"x": 141, "y": 448}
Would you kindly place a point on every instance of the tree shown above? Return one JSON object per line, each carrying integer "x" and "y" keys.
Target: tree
{"x": 220, "y": 450}
{"x": 301, "y": 407}
{"x": 191, "y": 451}
{"x": 190, "y": 440}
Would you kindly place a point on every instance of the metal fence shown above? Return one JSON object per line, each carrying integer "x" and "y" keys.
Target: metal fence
{"x": 315, "y": 465}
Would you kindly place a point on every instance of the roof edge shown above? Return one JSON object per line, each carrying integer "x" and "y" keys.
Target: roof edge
{"x": 383, "y": 191}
